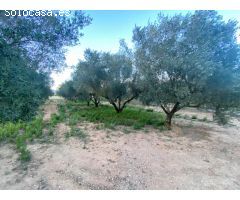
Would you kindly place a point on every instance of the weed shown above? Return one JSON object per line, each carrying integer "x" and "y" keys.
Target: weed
{"x": 22, "y": 148}
{"x": 138, "y": 126}
{"x": 50, "y": 131}
{"x": 21, "y": 132}
{"x": 10, "y": 130}
{"x": 76, "y": 132}
{"x": 55, "y": 119}
{"x": 72, "y": 121}
{"x": 100, "y": 126}
{"x": 110, "y": 126}
{"x": 194, "y": 116}
{"x": 126, "y": 131}
{"x": 25, "y": 155}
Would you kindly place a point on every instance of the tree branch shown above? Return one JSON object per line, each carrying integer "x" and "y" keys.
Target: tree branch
{"x": 124, "y": 104}
{"x": 164, "y": 109}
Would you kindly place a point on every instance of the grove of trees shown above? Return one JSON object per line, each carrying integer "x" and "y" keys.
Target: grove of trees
{"x": 189, "y": 59}
{"x": 107, "y": 75}
{"x": 176, "y": 62}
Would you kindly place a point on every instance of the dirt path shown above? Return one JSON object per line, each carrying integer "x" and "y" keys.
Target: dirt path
{"x": 51, "y": 107}
{"x": 195, "y": 155}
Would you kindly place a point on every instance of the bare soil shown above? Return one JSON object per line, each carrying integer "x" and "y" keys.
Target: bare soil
{"x": 194, "y": 155}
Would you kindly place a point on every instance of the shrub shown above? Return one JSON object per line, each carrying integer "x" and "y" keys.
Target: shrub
{"x": 194, "y": 116}
{"x": 22, "y": 91}
{"x": 76, "y": 132}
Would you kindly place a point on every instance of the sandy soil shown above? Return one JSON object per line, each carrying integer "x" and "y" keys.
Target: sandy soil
{"x": 51, "y": 107}
{"x": 194, "y": 155}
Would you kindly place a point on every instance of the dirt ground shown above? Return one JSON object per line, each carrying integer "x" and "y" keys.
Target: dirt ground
{"x": 194, "y": 155}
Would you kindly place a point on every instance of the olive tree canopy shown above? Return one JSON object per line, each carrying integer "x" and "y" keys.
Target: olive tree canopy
{"x": 30, "y": 47}
{"x": 178, "y": 56}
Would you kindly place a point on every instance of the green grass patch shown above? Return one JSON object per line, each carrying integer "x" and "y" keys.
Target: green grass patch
{"x": 20, "y": 133}
{"x": 57, "y": 118}
{"x": 137, "y": 118}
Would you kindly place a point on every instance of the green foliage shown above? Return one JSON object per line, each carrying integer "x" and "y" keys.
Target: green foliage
{"x": 41, "y": 39}
{"x": 121, "y": 85}
{"x": 10, "y": 130}
{"x": 138, "y": 126}
{"x": 222, "y": 89}
{"x": 77, "y": 132}
{"x": 22, "y": 89}
{"x": 126, "y": 131}
{"x": 67, "y": 90}
{"x": 22, "y": 148}
{"x": 20, "y": 133}
{"x": 29, "y": 48}
{"x": 135, "y": 117}
{"x": 181, "y": 63}
{"x": 57, "y": 118}
{"x": 89, "y": 76}
{"x": 107, "y": 75}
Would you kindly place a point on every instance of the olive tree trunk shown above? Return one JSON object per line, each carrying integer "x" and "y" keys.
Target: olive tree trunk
{"x": 170, "y": 114}
{"x": 118, "y": 104}
{"x": 95, "y": 99}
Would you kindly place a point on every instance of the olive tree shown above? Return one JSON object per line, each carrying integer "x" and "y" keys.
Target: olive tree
{"x": 89, "y": 76}
{"x": 22, "y": 89}
{"x": 43, "y": 39}
{"x": 120, "y": 86}
{"x": 67, "y": 90}
{"x": 222, "y": 90}
{"x": 176, "y": 57}
{"x": 108, "y": 75}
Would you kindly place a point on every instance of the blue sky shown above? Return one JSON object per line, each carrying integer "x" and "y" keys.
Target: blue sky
{"x": 108, "y": 27}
